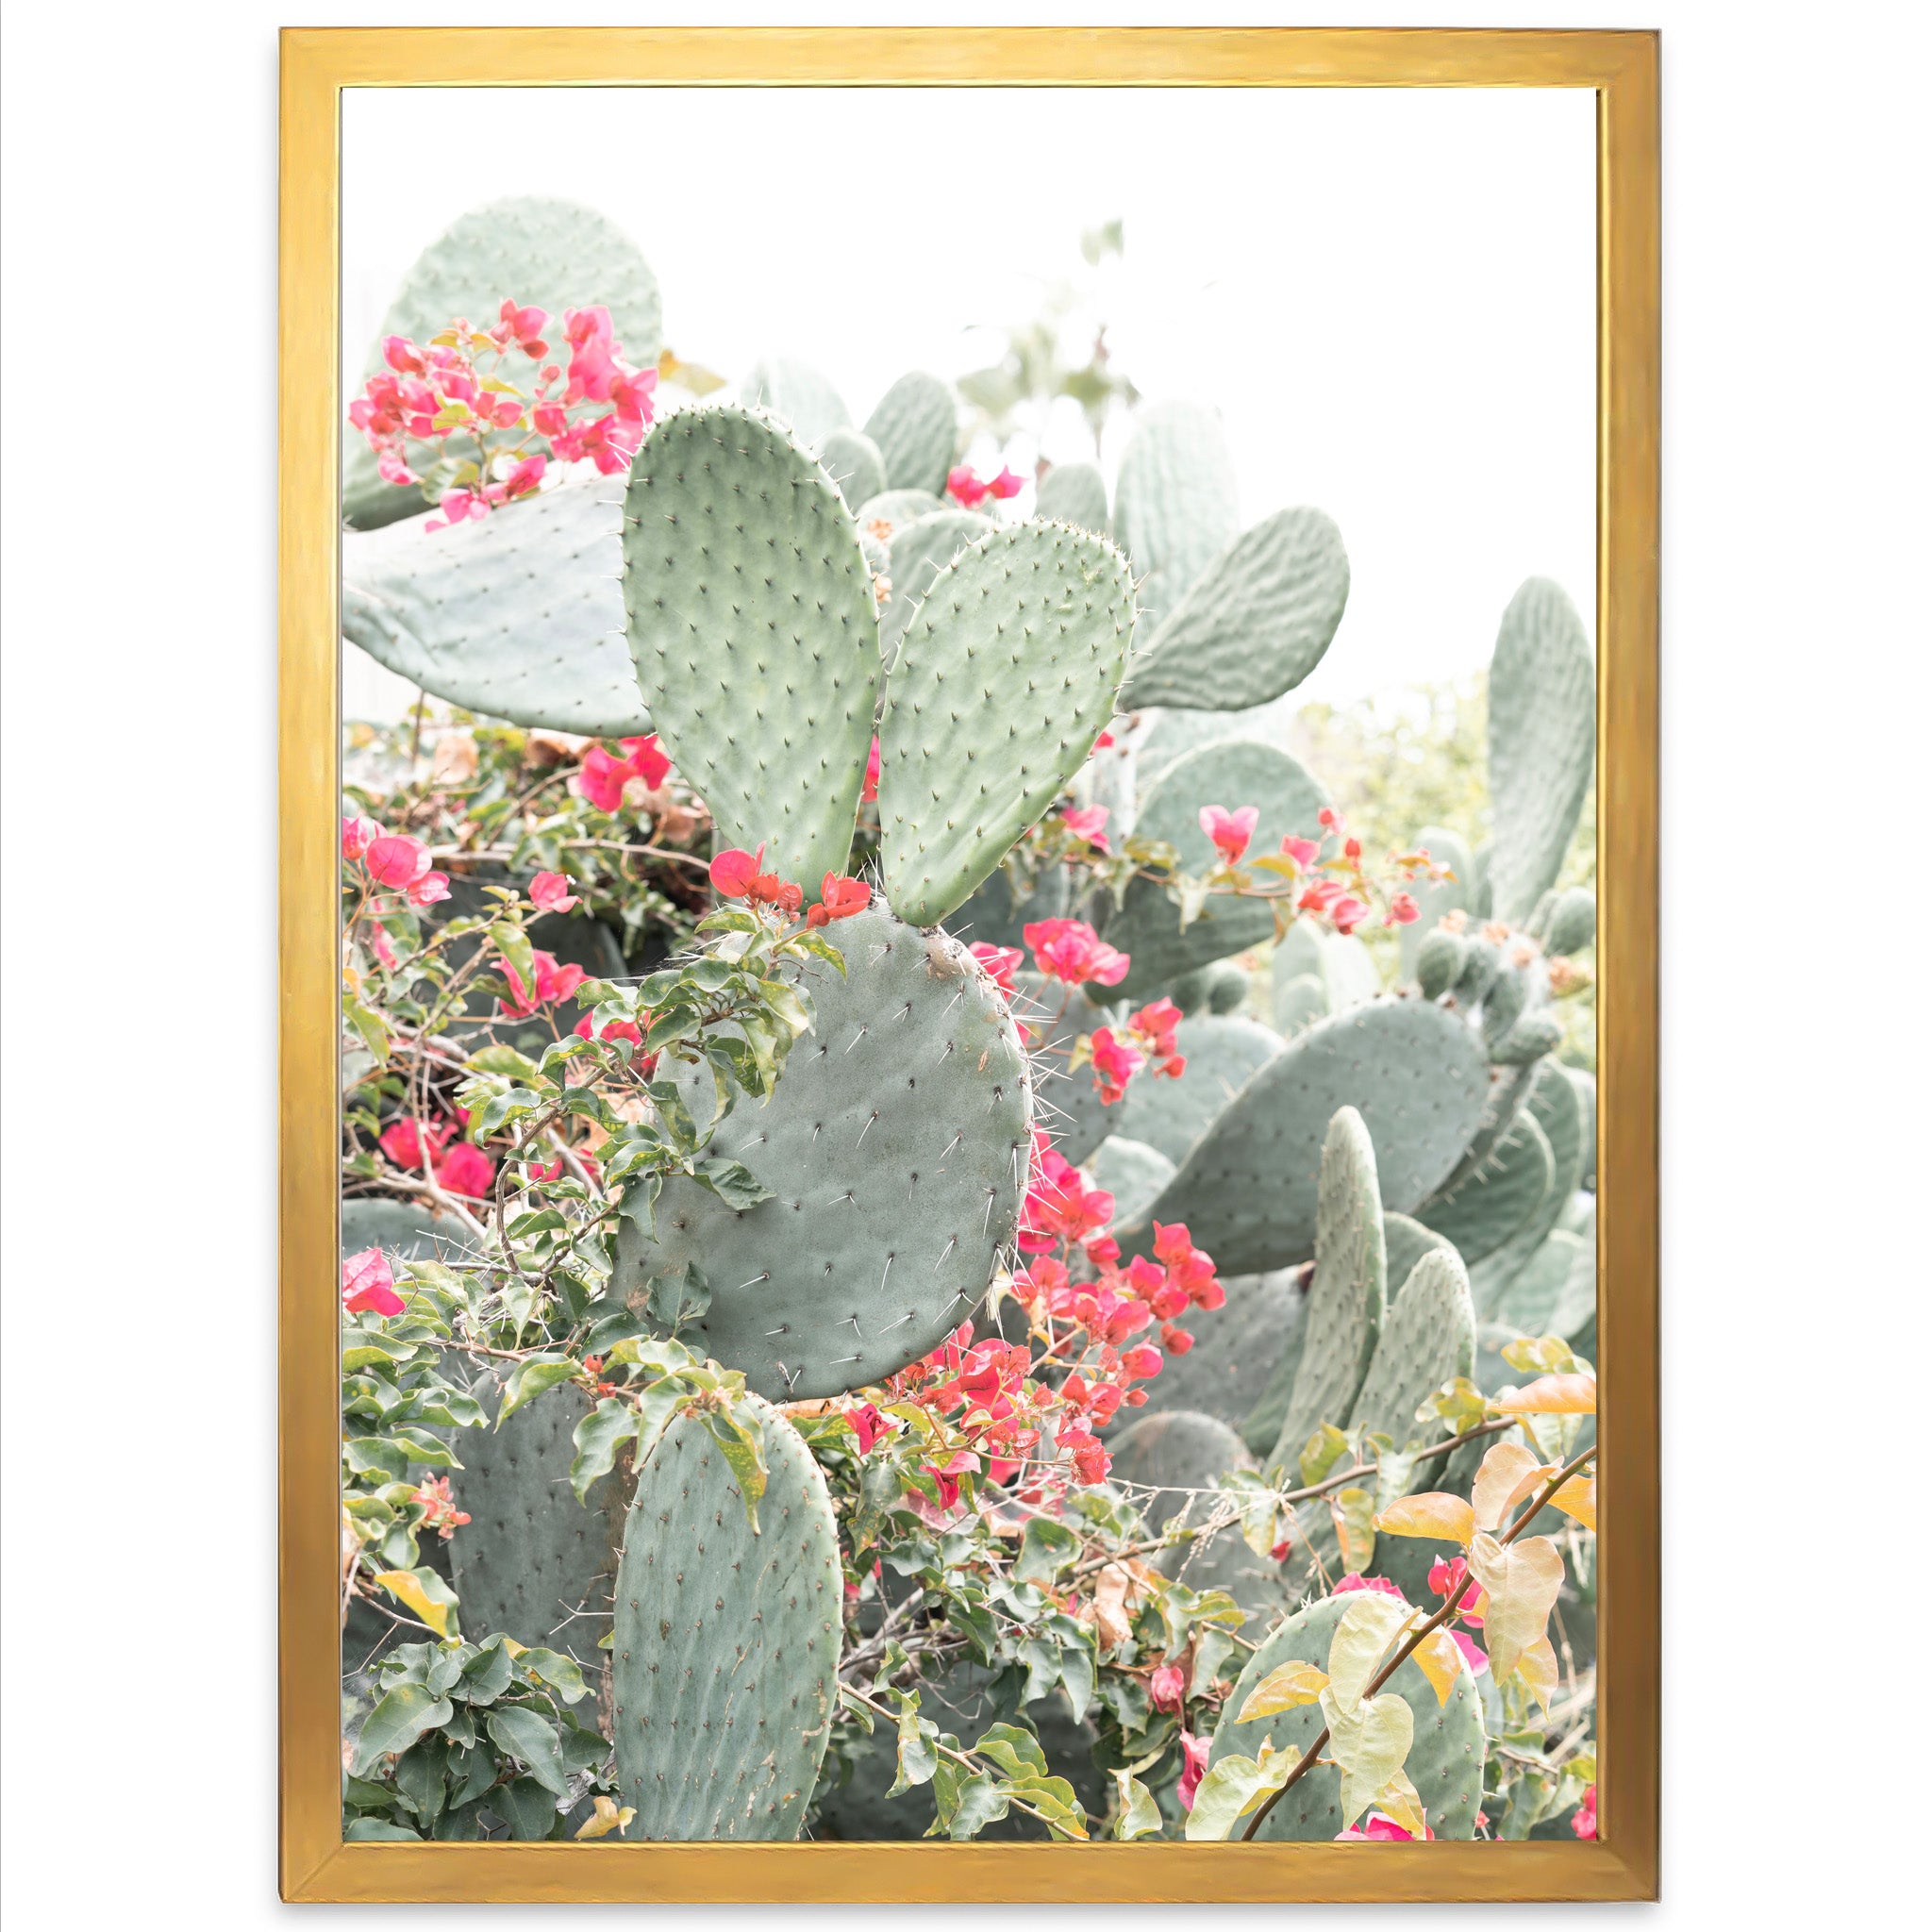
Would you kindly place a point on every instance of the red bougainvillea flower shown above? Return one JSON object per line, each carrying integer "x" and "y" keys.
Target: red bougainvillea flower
{"x": 554, "y": 982}
{"x": 1165, "y": 1687}
{"x": 1378, "y": 1827}
{"x": 868, "y": 1425}
{"x": 1194, "y": 1767}
{"x": 1090, "y": 1462}
{"x": 1403, "y": 910}
{"x": 970, "y": 490}
{"x": 1072, "y": 952}
{"x": 648, "y": 759}
{"x": 1088, "y": 825}
{"x": 368, "y": 1287}
{"x": 396, "y": 859}
{"x": 1142, "y": 1363}
{"x": 1303, "y": 851}
{"x": 1584, "y": 1821}
{"x": 1347, "y": 912}
{"x": 601, "y": 778}
{"x": 839, "y": 898}
{"x": 357, "y": 836}
{"x": 1115, "y": 1062}
{"x": 733, "y": 870}
{"x": 440, "y": 1508}
{"x": 467, "y": 1170}
{"x": 1104, "y": 742}
{"x": 1174, "y": 1339}
{"x": 1446, "y": 1576}
{"x": 405, "y": 1144}
{"x": 1330, "y": 819}
{"x": 872, "y": 775}
{"x": 1153, "y": 1026}
{"x": 1231, "y": 830}
{"x": 611, "y": 1029}
{"x": 550, "y": 893}
{"x": 1059, "y": 1205}
{"x": 998, "y": 962}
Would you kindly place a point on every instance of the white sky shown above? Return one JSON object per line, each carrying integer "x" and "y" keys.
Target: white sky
{"x": 1390, "y": 294}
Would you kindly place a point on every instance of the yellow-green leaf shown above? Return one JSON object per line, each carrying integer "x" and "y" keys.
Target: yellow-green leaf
{"x": 1508, "y": 1473}
{"x": 1441, "y": 1661}
{"x": 1137, "y": 1814}
{"x": 1552, "y": 1395}
{"x": 1577, "y": 1498}
{"x": 1537, "y": 1666}
{"x": 1398, "y": 1798}
{"x": 1234, "y": 1787}
{"x": 1432, "y": 1513}
{"x": 1521, "y": 1582}
{"x": 1287, "y": 1687}
{"x": 425, "y": 1593}
{"x": 1369, "y": 1741}
{"x": 1371, "y": 1623}
{"x": 1320, "y": 1454}
{"x": 605, "y": 1818}
{"x": 1353, "y": 1511}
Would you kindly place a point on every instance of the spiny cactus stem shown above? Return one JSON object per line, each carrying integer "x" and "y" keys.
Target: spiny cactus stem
{"x": 1434, "y": 1623}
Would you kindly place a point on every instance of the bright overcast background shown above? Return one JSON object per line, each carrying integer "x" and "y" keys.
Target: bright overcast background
{"x": 1389, "y": 294}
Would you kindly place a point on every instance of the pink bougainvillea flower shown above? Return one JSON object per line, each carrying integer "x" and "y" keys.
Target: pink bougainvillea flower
{"x": 1090, "y": 1462}
{"x": 965, "y": 488}
{"x": 868, "y": 1425}
{"x": 733, "y": 870}
{"x": 601, "y": 778}
{"x": 839, "y": 898}
{"x": 1072, "y": 952}
{"x": 429, "y": 888}
{"x": 1584, "y": 1821}
{"x": 1115, "y": 1062}
{"x": 1330, "y": 818}
{"x": 1378, "y": 1828}
{"x": 522, "y": 326}
{"x": 1103, "y": 742}
{"x": 648, "y": 759}
{"x": 457, "y": 506}
{"x": 1446, "y": 1576}
{"x": 1141, "y": 1362}
{"x": 1173, "y": 1243}
{"x": 1007, "y": 483}
{"x": 396, "y": 860}
{"x": 404, "y": 1145}
{"x": 440, "y": 1507}
{"x": 611, "y": 1029}
{"x": 379, "y": 946}
{"x": 1353, "y": 1581}
{"x": 1088, "y": 824}
{"x": 870, "y": 791}
{"x": 1174, "y": 1339}
{"x": 550, "y": 893}
{"x": 357, "y": 836}
{"x": 1194, "y": 1767}
{"x": 402, "y": 356}
{"x": 999, "y": 962}
{"x": 1478, "y": 1657}
{"x": 393, "y": 469}
{"x": 368, "y": 1287}
{"x": 1403, "y": 910}
{"x": 555, "y": 982}
{"x": 467, "y": 1170}
{"x": 1303, "y": 851}
{"x": 1231, "y": 830}
{"x": 1347, "y": 912}
{"x": 1165, "y": 1687}
{"x": 633, "y": 394}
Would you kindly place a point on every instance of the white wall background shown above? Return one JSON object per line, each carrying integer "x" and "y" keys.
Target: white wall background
{"x": 139, "y": 715}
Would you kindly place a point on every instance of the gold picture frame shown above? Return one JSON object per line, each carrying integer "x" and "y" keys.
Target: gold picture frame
{"x": 1621, "y": 67}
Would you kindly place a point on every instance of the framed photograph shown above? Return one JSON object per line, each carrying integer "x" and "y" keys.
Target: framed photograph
{"x": 969, "y": 1056}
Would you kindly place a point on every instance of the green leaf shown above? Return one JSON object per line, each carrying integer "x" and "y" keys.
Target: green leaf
{"x": 598, "y": 1437}
{"x": 360, "y": 1830}
{"x": 1234, "y": 1787}
{"x": 374, "y": 1455}
{"x": 504, "y": 1059}
{"x": 522, "y": 1733}
{"x": 679, "y": 1298}
{"x": 1045, "y": 1550}
{"x": 531, "y": 1380}
{"x": 526, "y": 1808}
{"x": 732, "y": 1182}
{"x": 1321, "y": 1453}
{"x": 485, "y": 1677}
{"x": 398, "y": 1720}
{"x": 514, "y": 944}
{"x": 1015, "y": 1751}
{"x": 743, "y": 1439}
{"x": 917, "y": 1759}
{"x": 559, "y": 1672}
{"x": 425, "y": 1593}
{"x": 1137, "y": 1815}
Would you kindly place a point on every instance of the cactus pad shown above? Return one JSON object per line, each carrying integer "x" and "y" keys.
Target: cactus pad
{"x": 754, "y": 633}
{"x": 1557, "y": 1105}
{"x": 1073, "y": 493}
{"x": 1571, "y": 924}
{"x": 532, "y": 1561}
{"x": 1222, "y": 1054}
{"x": 1488, "y": 1202}
{"x": 1067, "y": 1101}
{"x": 799, "y": 396}
{"x": 990, "y": 917}
{"x": 1255, "y": 623}
{"x": 1435, "y": 897}
{"x": 1236, "y": 1347}
{"x": 519, "y": 615}
{"x": 896, "y": 1143}
{"x": 1445, "y": 1763}
{"x": 725, "y": 1666}
{"x": 1543, "y": 742}
{"x": 921, "y": 548}
{"x": 1133, "y": 1172}
{"x": 893, "y": 508}
{"x": 852, "y": 461}
{"x": 1427, "y": 1339}
{"x": 1004, "y": 677}
{"x": 1406, "y": 1242}
{"x": 1174, "y": 501}
{"x": 407, "y": 1230}
{"x": 1348, "y": 1296}
{"x": 916, "y": 428}
{"x": 1248, "y": 1189}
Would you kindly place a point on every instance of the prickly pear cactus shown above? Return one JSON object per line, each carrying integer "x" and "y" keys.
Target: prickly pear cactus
{"x": 1066, "y": 1099}
{"x": 799, "y": 396}
{"x": 725, "y": 1659}
{"x": 1436, "y": 897}
{"x": 754, "y": 633}
{"x": 1148, "y": 924}
{"x": 1004, "y": 677}
{"x": 852, "y": 461}
{"x": 919, "y": 550}
{"x": 1235, "y": 1348}
{"x": 1543, "y": 742}
{"x": 1348, "y": 1296}
{"x": 990, "y": 915}
{"x": 1247, "y": 1190}
{"x": 1407, "y": 1242}
{"x": 1570, "y": 923}
{"x": 1257, "y": 620}
{"x": 1445, "y": 1763}
{"x": 530, "y": 249}
{"x": 916, "y": 429}
{"x": 518, "y": 614}
{"x": 1179, "y": 1455}
{"x": 896, "y": 1143}
{"x": 1074, "y": 493}
{"x": 1222, "y": 1054}
{"x": 891, "y": 508}
{"x": 402, "y": 1229}
{"x": 1133, "y": 1172}
{"x": 532, "y": 1562}
{"x": 1427, "y": 1339}
{"x": 1557, "y": 1105}
{"x": 1174, "y": 503}
{"x": 1488, "y": 1202}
